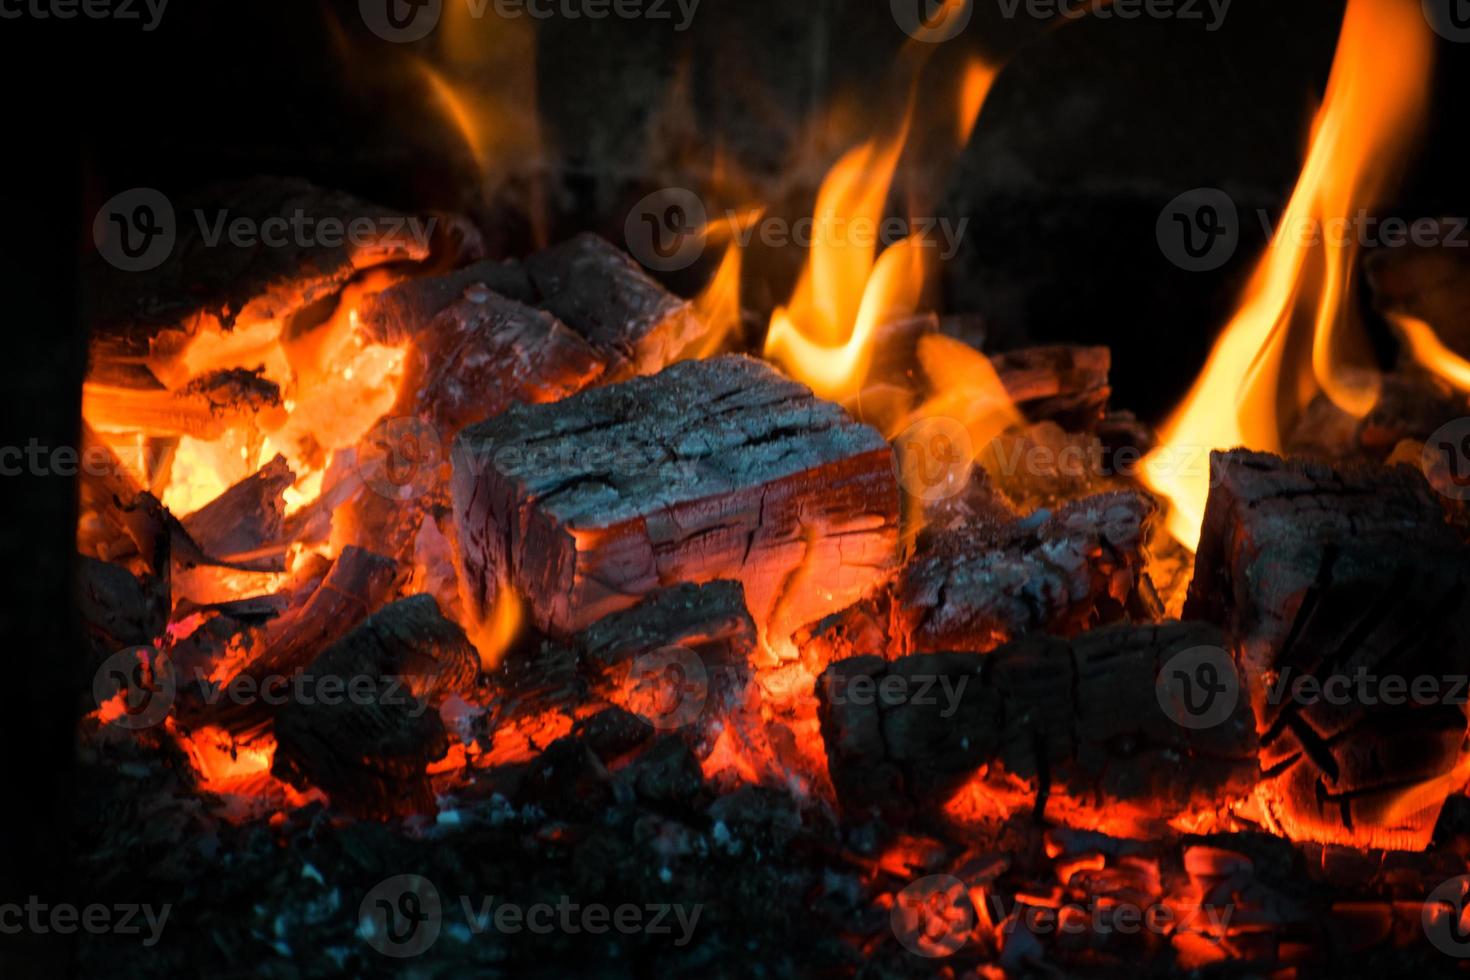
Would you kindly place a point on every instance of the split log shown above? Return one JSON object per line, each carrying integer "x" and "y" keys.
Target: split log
{"x": 401, "y": 311}
{"x": 117, "y": 610}
{"x": 370, "y": 727}
{"x": 680, "y": 659}
{"x": 1335, "y": 575}
{"x": 247, "y": 518}
{"x": 1079, "y": 719}
{"x": 128, "y": 398}
{"x": 712, "y": 469}
{"x": 409, "y": 639}
{"x": 1066, "y": 384}
{"x": 484, "y": 352}
{"x": 149, "y": 317}
{"x": 357, "y": 584}
{"x": 1064, "y": 572}
{"x": 636, "y": 324}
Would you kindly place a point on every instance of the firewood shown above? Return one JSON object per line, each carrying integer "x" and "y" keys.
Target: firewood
{"x": 681, "y": 659}
{"x": 401, "y": 311}
{"x": 148, "y": 317}
{"x": 204, "y": 408}
{"x": 368, "y": 748}
{"x": 1340, "y": 573}
{"x": 484, "y": 352}
{"x": 247, "y": 518}
{"x": 408, "y": 639}
{"x": 1068, "y": 385}
{"x": 357, "y": 584}
{"x": 1060, "y": 573}
{"x": 117, "y": 609}
{"x": 600, "y": 292}
{"x": 1079, "y": 719}
{"x": 367, "y": 752}
{"x": 711, "y": 469}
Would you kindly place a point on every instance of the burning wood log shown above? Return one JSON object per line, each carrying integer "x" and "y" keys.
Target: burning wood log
{"x": 148, "y": 317}
{"x": 117, "y": 610}
{"x": 1066, "y": 384}
{"x": 401, "y": 311}
{"x": 484, "y": 352}
{"x": 1058, "y": 572}
{"x": 246, "y": 518}
{"x": 358, "y": 582}
{"x": 369, "y": 728}
{"x": 1349, "y": 580}
{"x": 596, "y": 289}
{"x": 205, "y": 408}
{"x": 711, "y": 469}
{"x": 1079, "y": 719}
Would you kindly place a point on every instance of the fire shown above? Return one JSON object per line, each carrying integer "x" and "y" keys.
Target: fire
{"x": 1432, "y": 354}
{"x": 824, "y": 336}
{"x": 1375, "y": 101}
{"x": 493, "y": 635}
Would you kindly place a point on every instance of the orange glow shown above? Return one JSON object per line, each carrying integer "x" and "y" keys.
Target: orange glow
{"x": 1431, "y": 353}
{"x": 974, "y": 89}
{"x": 494, "y": 635}
{"x": 1374, "y": 104}
{"x": 719, "y": 304}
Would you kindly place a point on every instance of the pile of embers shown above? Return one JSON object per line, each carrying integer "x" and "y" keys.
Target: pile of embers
{"x": 531, "y": 631}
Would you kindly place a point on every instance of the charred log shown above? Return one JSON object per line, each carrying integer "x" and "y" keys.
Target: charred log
{"x": 1079, "y": 718}
{"x": 1336, "y": 578}
{"x": 711, "y": 469}
{"x": 600, "y": 292}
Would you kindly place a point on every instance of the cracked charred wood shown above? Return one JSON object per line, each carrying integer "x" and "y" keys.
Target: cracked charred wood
{"x": 595, "y": 288}
{"x": 149, "y": 317}
{"x": 357, "y": 584}
{"x": 1077, "y": 720}
{"x": 711, "y": 469}
{"x": 1060, "y": 572}
{"x": 484, "y": 352}
{"x": 401, "y": 311}
{"x": 367, "y": 746}
{"x": 368, "y": 750}
{"x": 117, "y": 609}
{"x": 410, "y": 640}
{"x": 247, "y": 518}
{"x": 680, "y": 659}
{"x": 1066, "y": 384}
{"x": 1342, "y": 587}
{"x": 128, "y": 398}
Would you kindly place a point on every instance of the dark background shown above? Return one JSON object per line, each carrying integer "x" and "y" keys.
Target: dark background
{"x": 1089, "y": 132}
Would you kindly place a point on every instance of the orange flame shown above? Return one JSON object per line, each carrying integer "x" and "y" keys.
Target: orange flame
{"x": 493, "y": 635}
{"x": 1375, "y": 101}
{"x": 1430, "y": 352}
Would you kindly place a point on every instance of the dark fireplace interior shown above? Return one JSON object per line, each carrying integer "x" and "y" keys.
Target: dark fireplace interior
{"x": 622, "y": 488}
